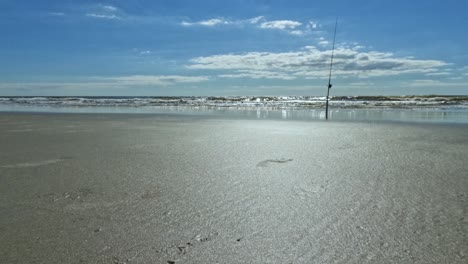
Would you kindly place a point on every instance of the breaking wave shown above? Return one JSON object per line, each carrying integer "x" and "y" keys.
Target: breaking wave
{"x": 249, "y": 102}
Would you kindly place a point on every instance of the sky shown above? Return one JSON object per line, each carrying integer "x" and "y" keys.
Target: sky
{"x": 237, "y": 47}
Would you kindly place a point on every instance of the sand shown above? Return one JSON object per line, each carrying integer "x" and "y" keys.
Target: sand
{"x": 78, "y": 188}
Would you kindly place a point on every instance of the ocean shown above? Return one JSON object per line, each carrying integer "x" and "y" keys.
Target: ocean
{"x": 425, "y": 109}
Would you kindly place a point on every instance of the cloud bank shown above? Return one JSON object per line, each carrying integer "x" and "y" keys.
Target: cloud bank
{"x": 157, "y": 80}
{"x": 310, "y": 63}
{"x": 116, "y": 82}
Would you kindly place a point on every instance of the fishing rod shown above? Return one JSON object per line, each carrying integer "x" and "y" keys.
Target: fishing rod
{"x": 329, "y": 76}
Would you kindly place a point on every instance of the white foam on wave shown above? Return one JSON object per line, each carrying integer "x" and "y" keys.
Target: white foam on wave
{"x": 247, "y": 102}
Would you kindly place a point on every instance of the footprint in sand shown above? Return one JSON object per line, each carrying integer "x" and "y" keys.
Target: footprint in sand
{"x": 266, "y": 163}
{"x": 150, "y": 194}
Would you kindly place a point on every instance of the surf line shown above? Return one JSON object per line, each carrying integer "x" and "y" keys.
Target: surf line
{"x": 329, "y": 76}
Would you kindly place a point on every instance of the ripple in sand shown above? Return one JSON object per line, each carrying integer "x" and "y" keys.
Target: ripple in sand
{"x": 21, "y": 130}
{"x": 34, "y": 164}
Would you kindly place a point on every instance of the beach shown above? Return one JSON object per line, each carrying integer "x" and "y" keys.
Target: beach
{"x": 175, "y": 188}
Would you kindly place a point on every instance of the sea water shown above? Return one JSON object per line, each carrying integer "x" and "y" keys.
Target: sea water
{"x": 425, "y": 109}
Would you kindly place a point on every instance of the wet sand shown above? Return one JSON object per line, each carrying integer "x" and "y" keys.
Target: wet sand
{"x": 175, "y": 189}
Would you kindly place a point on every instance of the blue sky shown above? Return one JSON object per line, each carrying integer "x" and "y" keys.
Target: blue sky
{"x": 238, "y": 47}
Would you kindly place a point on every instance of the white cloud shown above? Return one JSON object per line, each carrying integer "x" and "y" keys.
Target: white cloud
{"x": 280, "y": 24}
{"x": 162, "y": 80}
{"x": 103, "y": 16}
{"x": 118, "y": 82}
{"x": 186, "y": 24}
{"x": 213, "y": 22}
{"x": 222, "y": 21}
{"x": 311, "y": 62}
{"x": 207, "y": 23}
{"x": 435, "y": 83}
{"x": 313, "y": 25}
{"x": 259, "y": 75}
{"x": 109, "y": 8}
{"x": 438, "y": 74}
{"x": 323, "y": 43}
{"x": 255, "y": 20}
{"x": 361, "y": 84}
{"x": 104, "y": 12}
{"x": 297, "y": 32}
{"x": 141, "y": 52}
{"x": 292, "y": 27}
{"x": 425, "y": 82}
{"x": 56, "y": 13}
